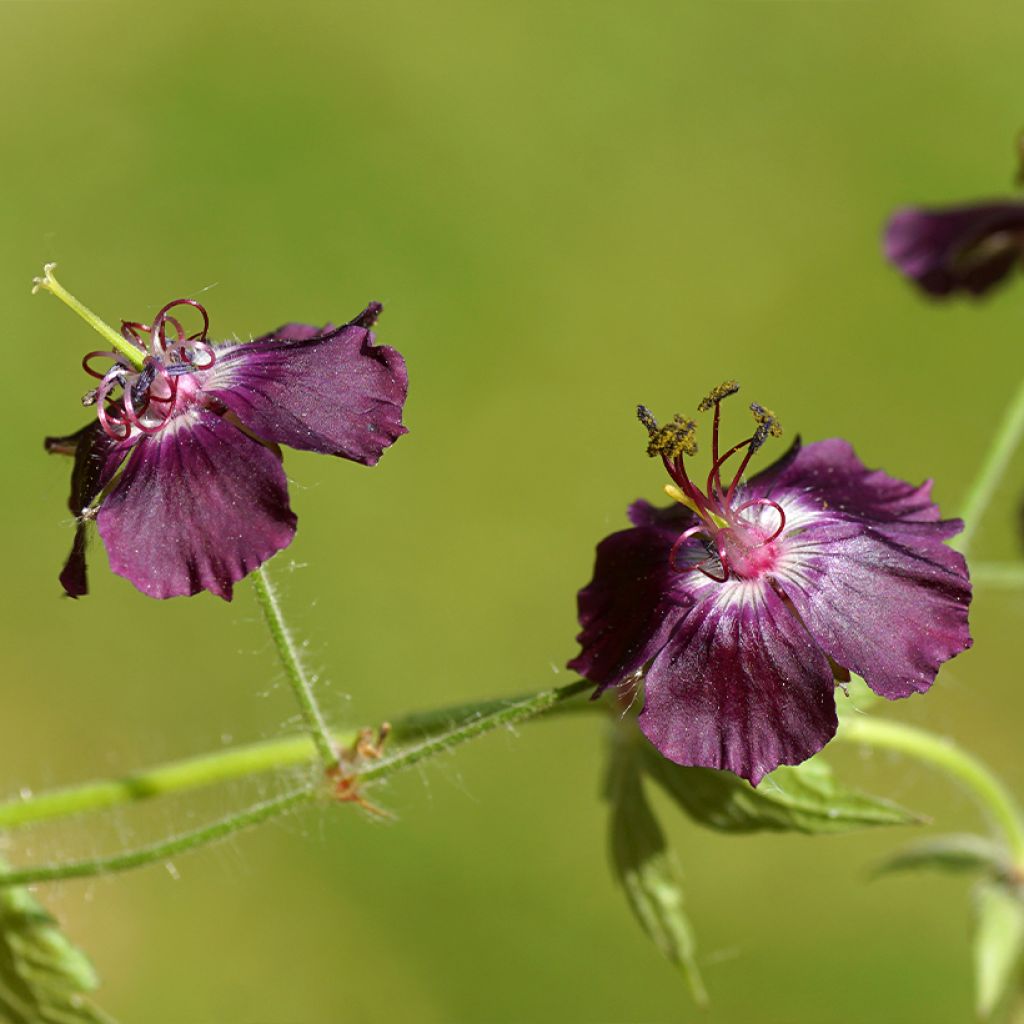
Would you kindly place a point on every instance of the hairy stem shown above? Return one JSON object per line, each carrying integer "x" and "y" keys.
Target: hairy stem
{"x": 940, "y": 752}
{"x": 48, "y": 283}
{"x": 426, "y": 734}
{"x": 302, "y": 687}
{"x": 988, "y": 478}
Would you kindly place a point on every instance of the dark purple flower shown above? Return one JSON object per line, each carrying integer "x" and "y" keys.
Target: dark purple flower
{"x": 181, "y": 469}
{"x": 957, "y": 248}
{"x": 742, "y": 604}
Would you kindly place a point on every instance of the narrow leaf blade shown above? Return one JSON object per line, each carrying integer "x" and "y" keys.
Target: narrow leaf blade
{"x": 803, "y": 798}
{"x": 957, "y": 853}
{"x": 998, "y": 944}
{"x": 647, "y": 870}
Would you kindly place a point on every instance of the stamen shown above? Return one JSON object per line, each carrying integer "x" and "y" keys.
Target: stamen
{"x": 770, "y": 504}
{"x": 767, "y": 426}
{"x": 723, "y": 391}
{"x": 89, "y": 356}
{"x": 207, "y": 350}
{"x": 680, "y": 541}
{"x": 108, "y": 421}
{"x": 672, "y": 440}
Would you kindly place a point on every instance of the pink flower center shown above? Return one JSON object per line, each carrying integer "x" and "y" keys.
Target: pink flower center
{"x": 741, "y": 534}
{"x": 147, "y": 400}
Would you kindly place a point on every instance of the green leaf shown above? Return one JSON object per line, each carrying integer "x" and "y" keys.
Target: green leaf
{"x": 42, "y": 975}
{"x": 804, "y": 798}
{"x": 961, "y": 852}
{"x": 646, "y": 868}
{"x": 998, "y": 944}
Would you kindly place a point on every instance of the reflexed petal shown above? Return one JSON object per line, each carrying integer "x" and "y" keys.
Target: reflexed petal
{"x": 633, "y": 602}
{"x": 740, "y": 685}
{"x": 967, "y": 248}
{"x": 198, "y": 506}
{"x": 323, "y": 390}
{"x": 890, "y": 612}
{"x": 97, "y": 458}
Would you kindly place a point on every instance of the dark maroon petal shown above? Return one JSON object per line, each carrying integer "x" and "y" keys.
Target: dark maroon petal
{"x": 198, "y": 506}
{"x": 960, "y": 248}
{"x": 829, "y": 475}
{"x": 740, "y": 685}
{"x": 97, "y": 458}
{"x": 323, "y": 390}
{"x": 633, "y": 602}
{"x": 891, "y": 612}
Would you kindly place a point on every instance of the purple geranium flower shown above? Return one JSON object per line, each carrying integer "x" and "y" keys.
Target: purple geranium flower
{"x": 181, "y": 469}
{"x": 958, "y": 248}
{"x": 741, "y": 605}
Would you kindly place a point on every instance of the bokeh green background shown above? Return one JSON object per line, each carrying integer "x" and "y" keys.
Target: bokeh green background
{"x": 566, "y": 208}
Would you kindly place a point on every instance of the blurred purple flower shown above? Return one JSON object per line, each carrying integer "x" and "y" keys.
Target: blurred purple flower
{"x": 957, "y": 248}
{"x": 202, "y": 499}
{"x": 742, "y": 604}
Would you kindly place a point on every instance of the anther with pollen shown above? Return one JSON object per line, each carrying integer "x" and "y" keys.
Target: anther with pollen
{"x": 767, "y": 426}
{"x": 673, "y": 439}
{"x": 723, "y": 391}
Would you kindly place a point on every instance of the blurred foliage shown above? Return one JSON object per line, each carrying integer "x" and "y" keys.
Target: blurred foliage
{"x": 566, "y": 210}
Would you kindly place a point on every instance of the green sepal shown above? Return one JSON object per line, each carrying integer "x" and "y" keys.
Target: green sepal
{"x": 43, "y": 977}
{"x": 998, "y": 945}
{"x": 804, "y": 798}
{"x": 646, "y": 868}
{"x": 957, "y": 853}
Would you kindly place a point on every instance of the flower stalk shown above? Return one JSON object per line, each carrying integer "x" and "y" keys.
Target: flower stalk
{"x": 941, "y": 752}
{"x": 302, "y": 687}
{"x": 992, "y": 470}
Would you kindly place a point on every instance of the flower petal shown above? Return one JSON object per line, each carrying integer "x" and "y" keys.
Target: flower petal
{"x": 198, "y": 506}
{"x": 630, "y": 607}
{"x": 325, "y": 390}
{"x": 97, "y": 458}
{"x": 891, "y": 612}
{"x": 740, "y": 685}
{"x": 960, "y": 248}
{"x": 829, "y": 474}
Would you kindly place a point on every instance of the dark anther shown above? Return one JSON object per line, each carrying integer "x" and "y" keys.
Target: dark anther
{"x": 646, "y": 417}
{"x": 89, "y": 398}
{"x": 674, "y": 439}
{"x": 767, "y": 426}
{"x": 723, "y": 391}
{"x": 141, "y": 386}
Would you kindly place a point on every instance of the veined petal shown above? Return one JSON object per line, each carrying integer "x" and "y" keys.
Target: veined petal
{"x": 198, "y": 506}
{"x": 325, "y": 390}
{"x": 890, "y": 612}
{"x": 633, "y": 602}
{"x": 97, "y": 458}
{"x": 829, "y": 474}
{"x": 965, "y": 248}
{"x": 740, "y": 685}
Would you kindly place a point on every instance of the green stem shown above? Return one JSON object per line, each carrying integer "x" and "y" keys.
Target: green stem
{"x": 163, "y": 849}
{"x": 48, "y": 283}
{"x": 943, "y": 753}
{"x": 431, "y": 732}
{"x": 998, "y": 574}
{"x": 991, "y": 473}
{"x": 302, "y": 687}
